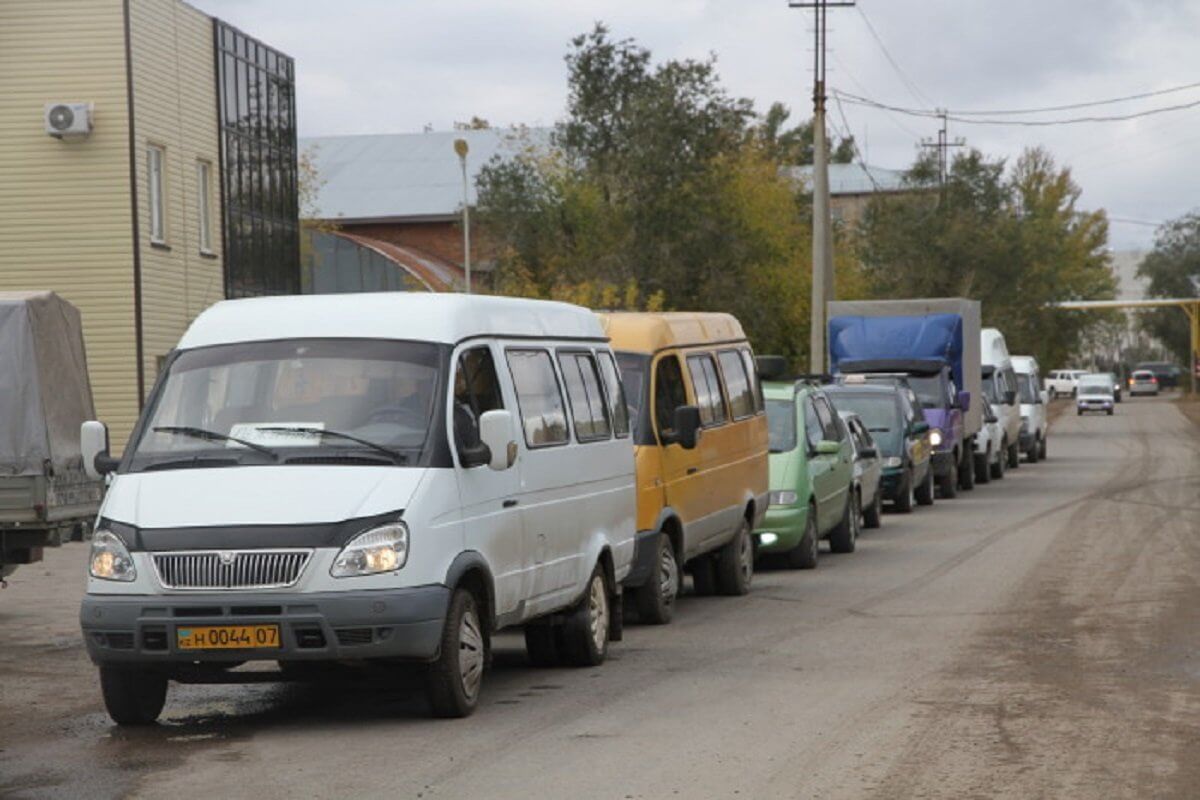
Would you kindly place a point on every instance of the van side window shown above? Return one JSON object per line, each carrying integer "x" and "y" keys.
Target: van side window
{"x": 539, "y": 397}
{"x": 614, "y": 390}
{"x": 812, "y": 425}
{"x": 829, "y": 421}
{"x": 476, "y": 390}
{"x": 755, "y": 384}
{"x": 669, "y": 393}
{"x": 588, "y": 407}
{"x": 707, "y": 389}
{"x": 737, "y": 383}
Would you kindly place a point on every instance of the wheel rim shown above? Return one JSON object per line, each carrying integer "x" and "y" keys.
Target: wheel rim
{"x": 746, "y": 555}
{"x": 598, "y": 612}
{"x": 470, "y": 654}
{"x": 668, "y": 576}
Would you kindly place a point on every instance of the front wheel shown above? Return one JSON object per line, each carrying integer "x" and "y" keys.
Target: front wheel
{"x": 655, "y": 598}
{"x": 924, "y": 492}
{"x": 133, "y": 696}
{"x": 844, "y": 537}
{"x": 1034, "y": 452}
{"x": 585, "y": 632}
{"x": 949, "y": 482}
{"x": 905, "y": 496}
{"x": 966, "y": 472}
{"x": 1014, "y": 455}
{"x": 735, "y": 562}
{"x": 1042, "y": 454}
{"x": 983, "y": 466}
{"x": 452, "y": 683}
{"x": 872, "y": 514}
{"x": 804, "y": 555}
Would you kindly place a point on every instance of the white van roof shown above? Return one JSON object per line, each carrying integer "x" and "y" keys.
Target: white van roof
{"x": 1026, "y": 365}
{"x": 419, "y": 316}
{"x": 993, "y": 350}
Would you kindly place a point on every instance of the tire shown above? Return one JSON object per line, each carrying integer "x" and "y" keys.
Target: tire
{"x": 948, "y": 483}
{"x": 585, "y": 632}
{"x": 133, "y": 696}
{"x": 655, "y": 599}
{"x": 735, "y": 563}
{"x": 1110, "y": 412}
{"x": 704, "y": 582}
{"x": 924, "y": 493}
{"x": 905, "y": 496}
{"x": 997, "y": 469}
{"x": 1032, "y": 455}
{"x": 844, "y": 537}
{"x": 454, "y": 680}
{"x": 1042, "y": 455}
{"x": 804, "y": 555}
{"x": 1014, "y": 455}
{"x": 873, "y": 514}
{"x": 542, "y": 646}
{"x": 966, "y": 473}
{"x": 983, "y": 467}
{"x": 1079, "y": 413}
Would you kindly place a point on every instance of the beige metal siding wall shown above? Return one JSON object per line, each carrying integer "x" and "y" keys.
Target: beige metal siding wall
{"x": 175, "y": 107}
{"x": 65, "y": 206}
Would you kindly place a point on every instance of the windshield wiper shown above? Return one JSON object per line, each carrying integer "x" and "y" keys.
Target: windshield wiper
{"x": 195, "y": 462}
{"x": 214, "y": 436}
{"x": 395, "y": 455}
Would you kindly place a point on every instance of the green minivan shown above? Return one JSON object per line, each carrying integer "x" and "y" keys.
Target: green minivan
{"x": 812, "y": 470}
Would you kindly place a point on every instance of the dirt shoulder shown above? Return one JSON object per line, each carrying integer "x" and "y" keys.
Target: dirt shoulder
{"x": 1189, "y": 405}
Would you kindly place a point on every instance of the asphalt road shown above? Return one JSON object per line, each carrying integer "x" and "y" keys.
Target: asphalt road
{"x": 1038, "y": 637}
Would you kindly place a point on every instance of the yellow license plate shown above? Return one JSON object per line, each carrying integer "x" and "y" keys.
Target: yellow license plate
{"x": 228, "y": 637}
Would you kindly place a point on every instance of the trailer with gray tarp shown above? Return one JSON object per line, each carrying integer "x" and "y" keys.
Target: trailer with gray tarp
{"x": 46, "y": 498}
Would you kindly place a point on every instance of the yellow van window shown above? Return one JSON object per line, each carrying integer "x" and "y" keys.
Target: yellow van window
{"x": 669, "y": 393}
{"x": 707, "y": 389}
{"x": 737, "y": 384}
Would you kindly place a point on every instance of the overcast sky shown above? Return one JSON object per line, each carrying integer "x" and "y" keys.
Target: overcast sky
{"x": 381, "y": 66}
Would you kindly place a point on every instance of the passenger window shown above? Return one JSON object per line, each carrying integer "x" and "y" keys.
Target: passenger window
{"x": 614, "y": 390}
{"x": 476, "y": 390}
{"x": 829, "y": 422}
{"x": 755, "y": 384}
{"x": 737, "y": 383}
{"x": 669, "y": 393}
{"x": 539, "y": 397}
{"x": 707, "y": 389}
{"x": 812, "y": 425}
{"x": 583, "y": 391}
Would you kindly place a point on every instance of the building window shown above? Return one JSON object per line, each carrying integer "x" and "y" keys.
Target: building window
{"x": 204, "y": 204}
{"x": 154, "y": 175}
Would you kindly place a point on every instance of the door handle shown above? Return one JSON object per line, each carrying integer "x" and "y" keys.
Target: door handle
{"x": 692, "y": 470}
{"x": 510, "y": 503}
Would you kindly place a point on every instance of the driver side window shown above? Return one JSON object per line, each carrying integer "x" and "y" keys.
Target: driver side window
{"x": 812, "y": 425}
{"x": 476, "y": 390}
{"x": 669, "y": 393}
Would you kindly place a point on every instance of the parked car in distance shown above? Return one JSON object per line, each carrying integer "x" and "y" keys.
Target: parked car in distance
{"x": 700, "y": 438}
{"x": 868, "y": 470}
{"x": 901, "y": 436}
{"x": 1143, "y": 382}
{"x": 1035, "y": 424}
{"x": 1062, "y": 382}
{"x": 1167, "y": 373}
{"x": 990, "y": 453}
{"x": 1094, "y": 393}
{"x": 363, "y": 477}
{"x": 999, "y": 376}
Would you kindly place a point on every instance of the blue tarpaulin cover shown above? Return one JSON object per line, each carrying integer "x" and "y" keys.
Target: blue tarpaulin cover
{"x": 928, "y": 336}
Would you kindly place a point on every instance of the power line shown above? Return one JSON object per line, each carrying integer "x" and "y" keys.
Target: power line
{"x": 1128, "y": 221}
{"x": 912, "y": 87}
{"x": 891, "y": 117}
{"x": 1089, "y": 104}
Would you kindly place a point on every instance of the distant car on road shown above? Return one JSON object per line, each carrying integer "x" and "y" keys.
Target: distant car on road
{"x": 1094, "y": 393}
{"x": 1142, "y": 382}
{"x": 1166, "y": 372}
{"x": 1062, "y": 382}
{"x": 868, "y": 469}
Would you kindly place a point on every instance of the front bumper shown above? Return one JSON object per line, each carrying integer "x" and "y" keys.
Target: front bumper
{"x": 1094, "y": 405}
{"x": 393, "y": 623}
{"x": 786, "y": 524}
{"x": 890, "y": 482}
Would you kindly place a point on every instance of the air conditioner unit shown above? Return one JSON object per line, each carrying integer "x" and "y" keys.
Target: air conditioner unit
{"x": 68, "y": 120}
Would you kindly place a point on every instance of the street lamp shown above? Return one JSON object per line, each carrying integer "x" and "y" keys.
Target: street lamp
{"x": 460, "y": 147}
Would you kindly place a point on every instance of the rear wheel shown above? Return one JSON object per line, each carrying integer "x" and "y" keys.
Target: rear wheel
{"x": 655, "y": 599}
{"x": 735, "y": 562}
{"x": 905, "y": 495}
{"x": 1042, "y": 455}
{"x": 452, "y": 683}
{"x": 845, "y": 536}
{"x": 966, "y": 473}
{"x": 872, "y": 514}
{"x": 585, "y": 632}
{"x": 948, "y": 484}
{"x": 924, "y": 492}
{"x": 1014, "y": 455}
{"x": 1034, "y": 452}
{"x": 804, "y": 555}
{"x": 133, "y": 696}
{"x": 983, "y": 466}
{"x": 997, "y": 467}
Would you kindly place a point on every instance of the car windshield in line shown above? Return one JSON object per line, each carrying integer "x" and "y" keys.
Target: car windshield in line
{"x": 1026, "y": 390}
{"x": 879, "y": 413}
{"x": 781, "y": 424}
{"x": 930, "y": 390}
{"x": 633, "y": 367}
{"x": 1095, "y": 389}
{"x": 357, "y": 401}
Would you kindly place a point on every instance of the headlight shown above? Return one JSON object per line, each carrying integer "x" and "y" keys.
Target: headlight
{"x": 892, "y": 461}
{"x": 382, "y": 549}
{"x": 110, "y": 559}
{"x": 782, "y": 499}
{"x": 935, "y": 437}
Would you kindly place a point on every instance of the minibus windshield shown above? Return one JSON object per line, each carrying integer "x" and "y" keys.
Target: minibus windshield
{"x": 295, "y": 401}
{"x": 1026, "y": 389}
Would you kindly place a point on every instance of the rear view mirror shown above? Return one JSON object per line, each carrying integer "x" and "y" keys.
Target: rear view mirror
{"x": 687, "y": 427}
{"x": 495, "y": 433}
{"x": 828, "y": 448}
{"x": 1010, "y": 397}
{"x": 919, "y": 427}
{"x": 964, "y": 400}
{"x": 93, "y": 445}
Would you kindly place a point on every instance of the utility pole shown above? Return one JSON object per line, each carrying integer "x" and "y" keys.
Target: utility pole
{"x": 461, "y": 148}
{"x": 822, "y": 256}
{"x": 943, "y": 145}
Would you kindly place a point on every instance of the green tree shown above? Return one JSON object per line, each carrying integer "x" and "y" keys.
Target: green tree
{"x": 794, "y": 146}
{"x": 1172, "y": 269}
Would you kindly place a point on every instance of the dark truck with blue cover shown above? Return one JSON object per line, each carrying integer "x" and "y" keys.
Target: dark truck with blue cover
{"x": 934, "y": 344}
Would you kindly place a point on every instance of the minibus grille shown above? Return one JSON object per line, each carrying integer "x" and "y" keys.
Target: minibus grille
{"x": 231, "y": 569}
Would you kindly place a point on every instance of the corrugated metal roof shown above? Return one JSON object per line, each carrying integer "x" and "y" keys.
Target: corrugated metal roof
{"x": 404, "y": 175}
{"x": 854, "y": 178}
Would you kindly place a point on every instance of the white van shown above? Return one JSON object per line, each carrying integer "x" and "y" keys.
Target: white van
{"x": 382, "y": 477}
{"x": 1035, "y": 427}
{"x": 1000, "y": 387}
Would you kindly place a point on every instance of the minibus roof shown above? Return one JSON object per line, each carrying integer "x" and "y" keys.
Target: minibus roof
{"x": 417, "y": 316}
{"x": 649, "y": 332}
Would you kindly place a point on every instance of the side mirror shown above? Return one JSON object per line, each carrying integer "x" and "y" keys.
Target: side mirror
{"x": 495, "y": 433}
{"x": 93, "y": 445}
{"x": 1010, "y": 397}
{"x": 964, "y": 401}
{"x": 868, "y": 453}
{"x": 687, "y": 427}
{"x": 826, "y": 447}
{"x": 917, "y": 428}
